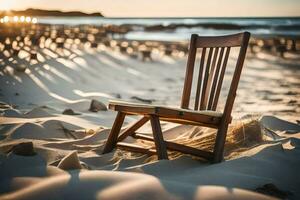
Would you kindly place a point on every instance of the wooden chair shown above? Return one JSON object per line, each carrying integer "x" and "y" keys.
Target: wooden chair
{"x": 208, "y": 88}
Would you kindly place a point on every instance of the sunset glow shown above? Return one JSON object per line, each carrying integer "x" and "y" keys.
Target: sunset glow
{"x": 7, "y": 4}
{"x": 166, "y": 8}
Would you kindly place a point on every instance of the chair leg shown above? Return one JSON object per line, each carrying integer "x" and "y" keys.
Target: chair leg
{"x": 160, "y": 145}
{"x": 114, "y": 132}
{"x": 220, "y": 143}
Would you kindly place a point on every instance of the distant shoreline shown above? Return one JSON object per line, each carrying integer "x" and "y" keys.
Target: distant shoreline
{"x": 48, "y": 13}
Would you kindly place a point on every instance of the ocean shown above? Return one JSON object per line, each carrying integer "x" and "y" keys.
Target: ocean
{"x": 184, "y": 27}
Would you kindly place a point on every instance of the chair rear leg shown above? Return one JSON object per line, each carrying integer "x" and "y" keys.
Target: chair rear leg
{"x": 114, "y": 132}
{"x": 160, "y": 145}
{"x": 220, "y": 143}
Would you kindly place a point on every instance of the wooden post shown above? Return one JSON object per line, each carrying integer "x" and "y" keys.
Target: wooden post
{"x": 114, "y": 132}
{"x": 160, "y": 145}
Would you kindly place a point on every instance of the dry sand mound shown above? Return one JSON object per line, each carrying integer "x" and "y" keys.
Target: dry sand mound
{"x": 70, "y": 162}
{"x": 41, "y": 176}
{"x": 120, "y": 185}
{"x": 37, "y": 112}
{"x": 11, "y": 113}
{"x": 29, "y": 131}
{"x": 279, "y": 125}
{"x": 94, "y": 140}
{"x": 50, "y": 129}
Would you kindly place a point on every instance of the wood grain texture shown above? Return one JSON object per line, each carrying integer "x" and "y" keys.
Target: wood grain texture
{"x": 160, "y": 145}
{"x": 203, "y": 99}
{"x": 214, "y": 82}
{"x": 206, "y": 117}
{"x": 220, "y": 80}
{"x": 114, "y": 132}
{"x": 136, "y": 148}
{"x": 179, "y": 147}
{"x": 200, "y": 79}
{"x": 234, "y": 40}
{"x": 185, "y": 100}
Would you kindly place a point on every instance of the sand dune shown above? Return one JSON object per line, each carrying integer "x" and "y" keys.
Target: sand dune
{"x": 120, "y": 185}
{"x": 179, "y": 178}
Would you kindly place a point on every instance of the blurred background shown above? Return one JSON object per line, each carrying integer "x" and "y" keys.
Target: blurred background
{"x": 42, "y": 41}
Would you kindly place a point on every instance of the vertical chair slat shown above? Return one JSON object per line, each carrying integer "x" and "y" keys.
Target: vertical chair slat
{"x": 221, "y": 77}
{"x": 189, "y": 73}
{"x": 205, "y": 79}
{"x": 214, "y": 84}
{"x": 210, "y": 77}
{"x": 200, "y": 79}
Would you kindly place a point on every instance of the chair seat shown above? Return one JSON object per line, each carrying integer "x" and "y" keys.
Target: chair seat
{"x": 177, "y": 115}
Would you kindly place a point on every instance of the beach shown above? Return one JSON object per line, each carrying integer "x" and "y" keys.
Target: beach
{"x": 51, "y": 140}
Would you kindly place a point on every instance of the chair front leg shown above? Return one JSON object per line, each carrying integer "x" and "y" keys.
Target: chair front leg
{"x": 220, "y": 143}
{"x": 114, "y": 132}
{"x": 160, "y": 145}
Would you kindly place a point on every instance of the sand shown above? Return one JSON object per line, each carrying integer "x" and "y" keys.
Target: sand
{"x": 66, "y": 161}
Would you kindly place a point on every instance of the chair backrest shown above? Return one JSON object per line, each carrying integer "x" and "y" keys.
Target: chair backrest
{"x": 213, "y": 62}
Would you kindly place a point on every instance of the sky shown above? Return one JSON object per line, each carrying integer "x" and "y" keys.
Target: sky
{"x": 166, "y": 8}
